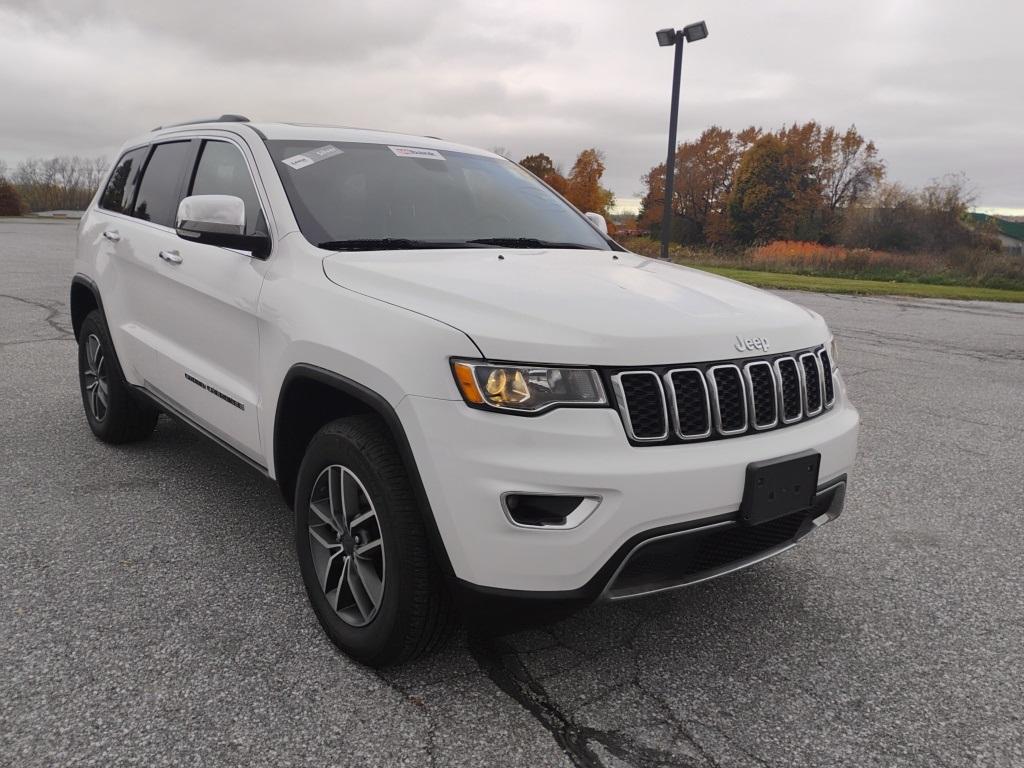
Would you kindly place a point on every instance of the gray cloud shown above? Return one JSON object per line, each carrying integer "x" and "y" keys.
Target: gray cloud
{"x": 935, "y": 84}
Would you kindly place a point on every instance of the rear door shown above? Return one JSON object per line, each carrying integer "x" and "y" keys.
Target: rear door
{"x": 144, "y": 230}
{"x": 119, "y": 270}
{"x": 205, "y": 309}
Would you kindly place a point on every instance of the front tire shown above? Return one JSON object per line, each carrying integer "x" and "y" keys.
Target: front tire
{"x": 363, "y": 549}
{"x": 114, "y": 413}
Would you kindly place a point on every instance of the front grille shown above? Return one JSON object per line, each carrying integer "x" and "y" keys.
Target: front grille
{"x": 709, "y": 401}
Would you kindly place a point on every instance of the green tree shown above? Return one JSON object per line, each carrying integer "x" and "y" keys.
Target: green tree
{"x": 774, "y": 193}
{"x": 541, "y": 166}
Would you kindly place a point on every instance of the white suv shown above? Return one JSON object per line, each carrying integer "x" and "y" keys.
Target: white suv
{"x": 470, "y": 395}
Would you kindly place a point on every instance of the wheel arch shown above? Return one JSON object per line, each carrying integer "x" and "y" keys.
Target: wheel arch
{"x": 310, "y": 397}
{"x": 85, "y": 297}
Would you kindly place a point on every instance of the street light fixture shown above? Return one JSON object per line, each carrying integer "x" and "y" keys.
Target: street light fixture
{"x": 666, "y": 37}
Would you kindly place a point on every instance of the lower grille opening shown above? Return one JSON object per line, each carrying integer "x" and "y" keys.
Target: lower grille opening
{"x": 678, "y": 559}
{"x": 540, "y": 511}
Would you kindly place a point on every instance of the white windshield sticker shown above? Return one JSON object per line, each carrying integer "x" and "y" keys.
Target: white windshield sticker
{"x": 431, "y": 154}
{"x": 312, "y": 156}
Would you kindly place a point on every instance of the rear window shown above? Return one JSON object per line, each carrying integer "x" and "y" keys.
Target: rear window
{"x": 117, "y": 195}
{"x": 160, "y": 188}
{"x": 368, "y": 194}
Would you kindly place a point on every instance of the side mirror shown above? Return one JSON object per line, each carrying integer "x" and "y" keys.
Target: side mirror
{"x": 598, "y": 221}
{"x": 219, "y": 220}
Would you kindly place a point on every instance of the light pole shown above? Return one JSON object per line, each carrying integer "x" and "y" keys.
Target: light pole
{"x": 666, "y": 37}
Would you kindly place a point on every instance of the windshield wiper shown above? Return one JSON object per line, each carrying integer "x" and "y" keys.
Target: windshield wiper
{"x": 527, "y": 242}
{"x": 391, "y": 244}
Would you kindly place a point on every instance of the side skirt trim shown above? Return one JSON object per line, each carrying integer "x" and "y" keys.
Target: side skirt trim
{"x": 176, "y": 413}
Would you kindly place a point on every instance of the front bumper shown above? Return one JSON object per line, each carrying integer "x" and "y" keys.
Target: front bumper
{"x": 656, "y": 561}
{"x": 468, "y": 458}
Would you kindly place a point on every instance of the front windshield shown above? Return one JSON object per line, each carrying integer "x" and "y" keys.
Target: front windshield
{"x": 354, "y": 196}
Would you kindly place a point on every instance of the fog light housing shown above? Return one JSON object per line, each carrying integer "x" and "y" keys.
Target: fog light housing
{"x": 548, "y": 510}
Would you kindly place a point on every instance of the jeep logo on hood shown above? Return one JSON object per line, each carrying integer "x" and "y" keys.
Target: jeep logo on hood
{"x": 759, "y": 343}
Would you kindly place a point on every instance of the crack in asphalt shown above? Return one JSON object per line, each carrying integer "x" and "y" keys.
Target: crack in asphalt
{"x": 431, "y": 746}
{"x": 52, "y": 308}
{"x": 503, "y": 666}
{"x": 888, "y": 344}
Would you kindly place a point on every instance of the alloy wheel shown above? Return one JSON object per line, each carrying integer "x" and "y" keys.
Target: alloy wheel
{"x": 97, "y": 385}
{"x": 347, "y": 545}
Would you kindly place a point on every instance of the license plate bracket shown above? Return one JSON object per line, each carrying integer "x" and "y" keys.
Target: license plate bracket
{"x": 778, "y": 487}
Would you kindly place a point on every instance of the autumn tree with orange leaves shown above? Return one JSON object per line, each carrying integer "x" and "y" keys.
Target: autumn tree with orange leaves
{"x": 817, "y": 171}
{"x": 703, "y": 178}
{"x": 582, "y": 187}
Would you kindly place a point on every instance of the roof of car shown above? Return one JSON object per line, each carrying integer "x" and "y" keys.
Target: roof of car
{"x": 314, "y": 132}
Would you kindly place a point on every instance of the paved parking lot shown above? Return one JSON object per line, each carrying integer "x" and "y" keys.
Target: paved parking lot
{"x": 151, "y": 611}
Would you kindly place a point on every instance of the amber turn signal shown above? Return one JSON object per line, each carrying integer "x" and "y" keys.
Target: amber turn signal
{"x": 467, "y": 383}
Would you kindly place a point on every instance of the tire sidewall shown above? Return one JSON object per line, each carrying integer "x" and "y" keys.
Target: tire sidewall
{"x": 93, "y": 325}
{"x": 375, "y": 639}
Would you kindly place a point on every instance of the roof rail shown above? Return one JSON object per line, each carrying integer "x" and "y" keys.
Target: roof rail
{"x": 221, "y": 119}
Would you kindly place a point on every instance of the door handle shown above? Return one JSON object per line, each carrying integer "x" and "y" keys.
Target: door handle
{"x": 111, "y": 235}
{"x": 171, "y": 257}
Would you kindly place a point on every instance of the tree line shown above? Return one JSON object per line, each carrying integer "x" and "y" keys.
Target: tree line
{"x": 804, "y": 182}
{"x": 57, "y": 183}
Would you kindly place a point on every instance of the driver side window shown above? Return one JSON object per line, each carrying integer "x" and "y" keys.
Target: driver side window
{"x": 222, "y": 170}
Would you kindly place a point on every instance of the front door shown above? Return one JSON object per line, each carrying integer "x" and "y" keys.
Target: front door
{"x": 208, "y": 356}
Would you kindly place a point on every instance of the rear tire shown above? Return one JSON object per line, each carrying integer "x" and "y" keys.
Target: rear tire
{"x": 115, "y": 414}
{"x": 363, "y": 550}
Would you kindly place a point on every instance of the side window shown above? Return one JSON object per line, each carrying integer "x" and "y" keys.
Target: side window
{"x": 117, "y": 196}
{"x": 222, "y": 171}
{"x": 161, "y": 183}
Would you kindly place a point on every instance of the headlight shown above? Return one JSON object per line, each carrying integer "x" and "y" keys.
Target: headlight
{"x": 833, "y": 354}
{"x": 526, "y": 388}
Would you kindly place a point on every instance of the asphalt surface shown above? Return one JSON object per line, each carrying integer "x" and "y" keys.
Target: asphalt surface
{"x": 151, "y": 610}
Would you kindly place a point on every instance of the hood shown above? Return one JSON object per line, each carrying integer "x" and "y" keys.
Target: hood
{"x": 578, "y": 307}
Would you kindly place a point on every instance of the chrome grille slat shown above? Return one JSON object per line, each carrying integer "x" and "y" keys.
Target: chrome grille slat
{"x": 754, "y": 378}
{"x": 634, "y": 419}
{"x": 810, "y": 374}
{"x": 791, "y": 396}
{"x": 827, "y": 379}
{"x": 675, "y": 382}
{"x": 725, "y": 390}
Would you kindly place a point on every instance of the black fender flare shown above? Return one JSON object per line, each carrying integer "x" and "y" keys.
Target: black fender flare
{"x": 88, "y": 284}
{"x": 380, "y": 406}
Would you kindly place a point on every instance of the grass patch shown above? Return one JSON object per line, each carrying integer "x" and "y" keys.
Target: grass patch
{"x": 820, "y": 284}
{"x": 959, "y": 268}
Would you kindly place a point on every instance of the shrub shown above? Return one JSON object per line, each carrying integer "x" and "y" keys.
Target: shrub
{"x": 11, "y": 203}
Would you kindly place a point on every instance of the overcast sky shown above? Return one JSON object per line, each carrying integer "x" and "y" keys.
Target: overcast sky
{"x": 936, "y": 83}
